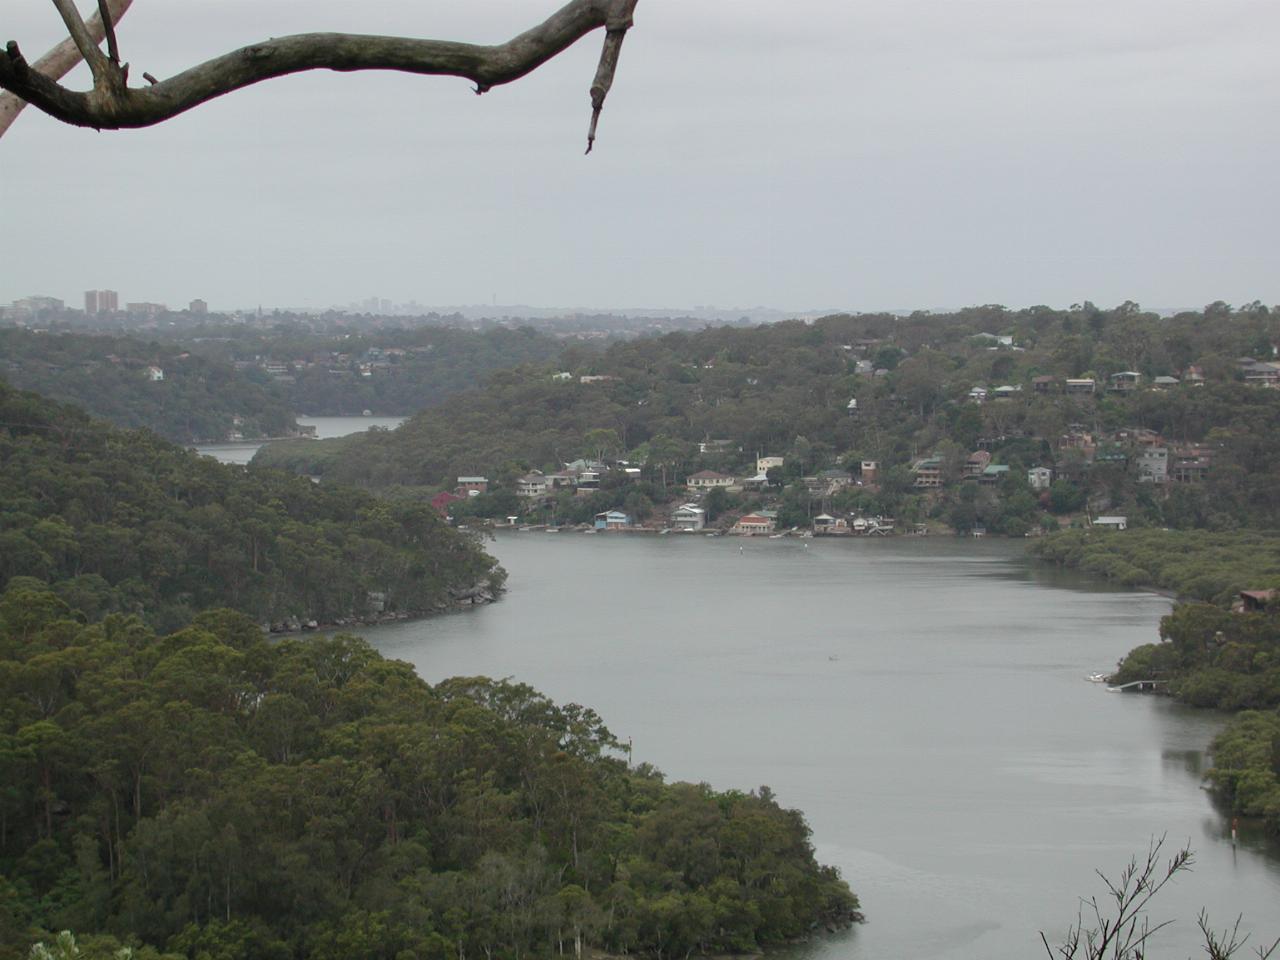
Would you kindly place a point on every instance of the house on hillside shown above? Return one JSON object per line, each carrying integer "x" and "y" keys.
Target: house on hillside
{"x": 532, "y": 485}
{"x": 1254, "y": 601}
{"x": 155, "y": 374}
{"x": 927, "y": 474}
{"x": 1261, "y": 374}
{"x": 993, "y": 474}
{"x": 1079, "y": 385}
{"x": 1126, "y": 381}
{"x": 708, "y": 480}
{"x": 1153, "y": 465}
{"x": 765, "y": 464}
{"x": 1045, "y": 384}
{"x": 1190, "y": 465}
{"x": 978, "y": 461}
{"x": 1164, "y": 383}
{"x": 1040, "y": 478}
{"x": 470, "y": 486}
{"x": 613, "y": 520}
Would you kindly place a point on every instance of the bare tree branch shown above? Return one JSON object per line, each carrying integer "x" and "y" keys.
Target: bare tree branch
{"x": 109, "y": 27}
{"x": 113, "y": 105}
{"x": 84, "y": 41}
{"x": 59, "y": 61}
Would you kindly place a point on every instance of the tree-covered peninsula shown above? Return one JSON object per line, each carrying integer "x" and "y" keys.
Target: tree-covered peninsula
{"x": 213, "y": 794}
{"x": 123, "y": 521}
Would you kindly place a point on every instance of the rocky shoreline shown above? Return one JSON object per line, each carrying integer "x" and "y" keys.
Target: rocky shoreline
{"x": 476, "y": 595}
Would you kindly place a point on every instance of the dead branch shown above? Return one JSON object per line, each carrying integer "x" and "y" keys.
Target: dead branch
{"x": 1122, "y": 929}
{"x": 112, "y": 104}
{"x": 59, "y": 61}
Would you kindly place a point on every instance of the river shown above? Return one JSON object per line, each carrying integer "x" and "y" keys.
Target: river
{"x": 923, "y": 701}
{"x": 326, "y": 428}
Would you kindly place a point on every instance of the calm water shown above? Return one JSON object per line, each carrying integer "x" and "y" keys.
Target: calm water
{"x": 923, "y": 701}
{"x": 326, "y": 427}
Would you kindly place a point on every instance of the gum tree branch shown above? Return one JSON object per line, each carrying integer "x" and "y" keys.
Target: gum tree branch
{"x": 79, "y": 31}
{"x": 59, "y": 61}
{"x": 111, "y": 104}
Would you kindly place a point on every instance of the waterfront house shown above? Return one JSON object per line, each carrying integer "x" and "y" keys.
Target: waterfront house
{"x": 613, "y": 520}
{"x": 754, "y": 524}
{"x": 689, "y": 517}
{"x": 467, "y": 486}
{"x": 825, "y": 525}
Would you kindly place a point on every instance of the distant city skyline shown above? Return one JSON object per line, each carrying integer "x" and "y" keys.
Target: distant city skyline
{"x": 111, "y": 301}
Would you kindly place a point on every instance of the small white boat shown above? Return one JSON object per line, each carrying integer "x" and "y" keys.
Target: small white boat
{"x": 1097, "y": 678}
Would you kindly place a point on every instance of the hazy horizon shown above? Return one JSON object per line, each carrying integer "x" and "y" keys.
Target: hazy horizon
{"x": 817, "y": 156}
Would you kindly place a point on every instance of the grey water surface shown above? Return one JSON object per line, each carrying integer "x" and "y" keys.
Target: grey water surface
{"x": 326, "y": 428}
{"x": 923, "y": 701}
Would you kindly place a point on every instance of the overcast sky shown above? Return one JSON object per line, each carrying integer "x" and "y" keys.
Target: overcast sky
{"x": 800, "y": 154}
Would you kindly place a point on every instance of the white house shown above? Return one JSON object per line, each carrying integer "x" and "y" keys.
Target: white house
{"x": 155, "y": 374}
{"x": 709, "y": 479}
{"x": 689, "y": 517}
{"x": 531, "y": 485}
{"x": 1039, "y": 478}
{"x": 1111, "y": 523}
{"x": 764, "y": 463}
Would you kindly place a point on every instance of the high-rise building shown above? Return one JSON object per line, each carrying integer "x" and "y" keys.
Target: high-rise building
{"x": 198, "y": 306}
{"x": 101, "y": 301}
